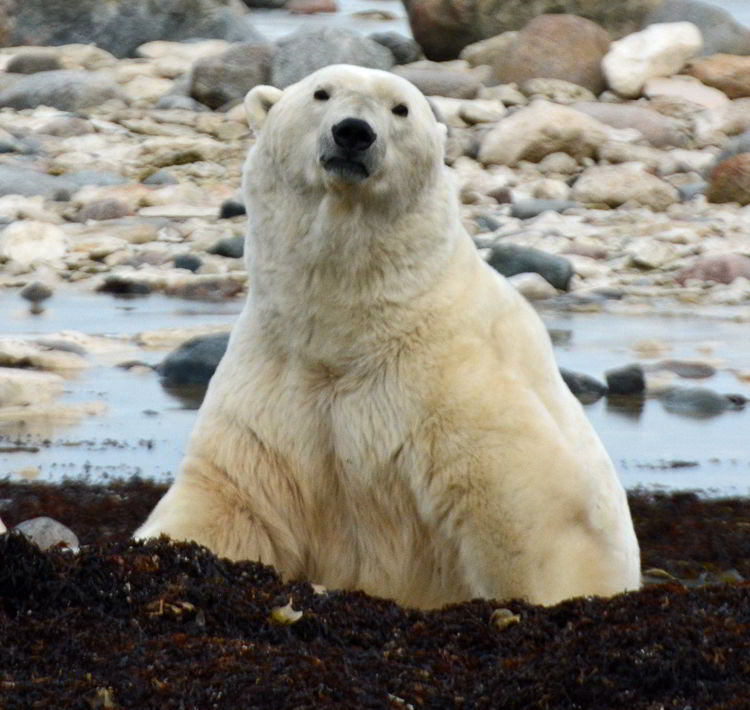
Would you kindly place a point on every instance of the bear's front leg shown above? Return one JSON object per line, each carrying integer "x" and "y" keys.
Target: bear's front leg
{"x": 205, "y": 505}
{"x": 530, "y": 516}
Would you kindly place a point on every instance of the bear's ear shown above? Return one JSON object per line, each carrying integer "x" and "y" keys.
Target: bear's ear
{"x": 258, "y": 103}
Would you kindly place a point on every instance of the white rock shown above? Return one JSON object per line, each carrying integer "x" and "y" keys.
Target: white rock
{"x": 533, "y": 132}
{"x": 2, "y": 527}
{"x": 661, "y": 49}
{"x": 686, "y": 88}
{"x": 21, "y": 207}
{"x": 614, "y": 185}
{"x": 23, "y": 386}
{"x": 533, "y": 286}
{"x": 46, "y": 532}
{"x": 646, "y": 253}
{"x": 29, "y": 241}
{"x": 481, "y": 111}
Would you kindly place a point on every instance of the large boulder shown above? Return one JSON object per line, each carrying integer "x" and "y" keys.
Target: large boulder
{"x": 659, "y": 50}
{"x": 533, "y": 132}
{"x": 306, "y": 51}
{"x": 120, "y": 26}
{"x": 444, "y": 27}
{"x": 720, "y": 31}
{"x": 550, "y": 46}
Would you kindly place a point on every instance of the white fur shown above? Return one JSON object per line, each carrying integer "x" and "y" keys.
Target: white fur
{"x": 388, "y": 415}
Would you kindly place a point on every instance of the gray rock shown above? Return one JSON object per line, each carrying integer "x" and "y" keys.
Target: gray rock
{"x": 232, "y": 208}
{"x": 67, "y": 90}
{"x": 695, "y": 402}
{"x": 10, "y": 144}
{"x": 233, "y": 247}
{"x": 194, "y": 362}
{"x": 688, "y": 192}
{"x": 187, "y": 261}
{"x": 32, "y": 61}
{"x": 36, "y": 292}
{"x": 160, "y": 177}
{"x": 46, "y": 533}
{"x": 119, "y": 286}
{"x": 441, "y": 82}
{"x": 121, "y": 26}
{"x": 686, "y": 368}
{"x": 99, "y": 178}
{"x": 23, "y": 181}
{"x": 511, "y": 259}
{"x": 305, "y": 51}
{"x": 404, "y": 49}
{"x": 626, "y": 380}
{"x": 529, "y": 208}
{"x": 170, "y": 102}
{"x": 721, "y": 34}
{"x": 226, "y": 78}
{"x": 587, "y": 389}
{"x": 734, "y": 146}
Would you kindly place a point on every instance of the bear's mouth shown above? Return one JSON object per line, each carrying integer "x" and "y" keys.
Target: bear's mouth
{"x": 345, "y": 168}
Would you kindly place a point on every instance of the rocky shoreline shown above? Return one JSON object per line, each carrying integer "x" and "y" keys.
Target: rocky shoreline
{"x": 623, "y": 188}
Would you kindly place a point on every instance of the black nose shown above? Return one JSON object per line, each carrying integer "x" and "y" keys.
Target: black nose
{"x": 353, "y": 134}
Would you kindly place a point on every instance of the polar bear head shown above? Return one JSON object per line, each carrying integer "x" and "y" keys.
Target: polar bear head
{"x": 345, "y": 130}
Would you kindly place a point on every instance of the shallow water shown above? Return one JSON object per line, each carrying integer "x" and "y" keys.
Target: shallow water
{"x": 144, "y": 429}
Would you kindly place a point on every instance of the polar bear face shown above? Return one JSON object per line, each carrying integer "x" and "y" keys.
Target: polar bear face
{"x": 346, "y": 130}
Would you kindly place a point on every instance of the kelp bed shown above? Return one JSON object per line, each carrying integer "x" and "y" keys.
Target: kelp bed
{"x": 123, "y": 625}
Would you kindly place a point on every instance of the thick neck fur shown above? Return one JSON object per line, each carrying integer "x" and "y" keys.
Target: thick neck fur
{"x": 338, "y": 272}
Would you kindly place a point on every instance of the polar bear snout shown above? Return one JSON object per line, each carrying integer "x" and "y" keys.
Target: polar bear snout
{"x": 347, "y": 152}
{"x": 353, "y": 135}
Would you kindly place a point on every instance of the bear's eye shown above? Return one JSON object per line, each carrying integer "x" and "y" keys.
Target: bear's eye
{"x": 400, "y": 110}
{"x": 321, "y": 95}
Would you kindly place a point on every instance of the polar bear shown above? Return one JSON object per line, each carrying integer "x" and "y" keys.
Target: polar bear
{"x": 388, "y": 415}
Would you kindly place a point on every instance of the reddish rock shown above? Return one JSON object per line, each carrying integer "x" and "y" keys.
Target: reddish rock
{"x": 726, "y": 72}
{"x": 730, "y": 180}
{"x": 550, "y": 46}
{"x": 724, "y": 269}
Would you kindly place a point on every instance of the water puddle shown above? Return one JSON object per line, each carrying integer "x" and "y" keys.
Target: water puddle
{"x": 143, "y": 428}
